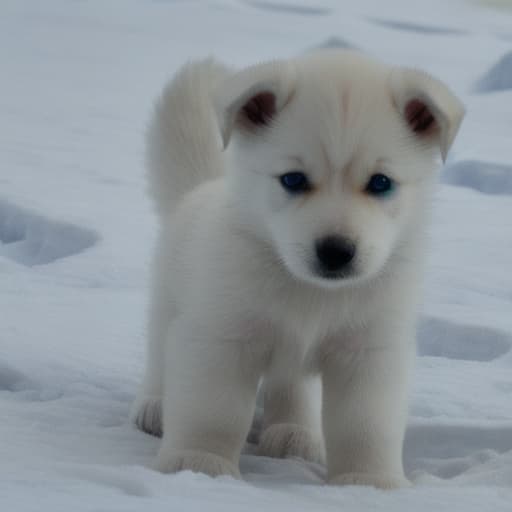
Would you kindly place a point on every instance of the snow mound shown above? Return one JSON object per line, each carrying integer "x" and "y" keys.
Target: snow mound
{"x": 442, "y": 338}
{"x": 12, "y": 379}
{"x": 31, "y": 239}
{"x": 415, "y": 27}
{"x": 335, "y": 42}
{"x": 25, "y": 388}
{"x": 450, "y": 450}
{"x": 499, "y": 77}
{"x": 288, "y": 8}
{"x": 485, "y": 177}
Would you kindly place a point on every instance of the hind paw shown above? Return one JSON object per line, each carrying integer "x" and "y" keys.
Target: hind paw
{"x": 285, "y": 440}
{"x": 147, "y": 414}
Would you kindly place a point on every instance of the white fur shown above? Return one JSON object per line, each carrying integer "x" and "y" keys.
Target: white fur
{"x": 235, "y": 297}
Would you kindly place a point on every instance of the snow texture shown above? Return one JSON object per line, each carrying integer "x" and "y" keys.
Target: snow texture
{"x": 485, "y": 177}
{"x": 499, "y": 77}
{"x": 31, "y": 239}
{"x": 415, "y": 27}
{"x": 76, "y": 232}
{"x": 335, "y": 42}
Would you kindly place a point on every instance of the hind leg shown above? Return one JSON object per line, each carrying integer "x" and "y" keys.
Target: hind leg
{"x": 291, "y": 419}
{"x": 146, "y": 411}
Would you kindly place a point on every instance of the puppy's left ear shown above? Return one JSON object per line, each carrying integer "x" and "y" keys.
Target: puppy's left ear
{"x": 432, "y": 112}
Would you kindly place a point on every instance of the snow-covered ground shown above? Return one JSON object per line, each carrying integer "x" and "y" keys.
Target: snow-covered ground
{"x": 77, "y": 79}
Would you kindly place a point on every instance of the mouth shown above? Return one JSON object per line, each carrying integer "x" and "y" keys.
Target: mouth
{"x": 342, "y": 273}
{"x": 334, "y": 275}
{"x": 333, "y": 279}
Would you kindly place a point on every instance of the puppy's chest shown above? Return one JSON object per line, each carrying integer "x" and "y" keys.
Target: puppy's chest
{"x": 316, "y": 315}
{"x": 310, "y": 330}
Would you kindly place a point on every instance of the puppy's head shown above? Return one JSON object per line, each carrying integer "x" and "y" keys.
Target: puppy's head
{"x": 333, "y": 158}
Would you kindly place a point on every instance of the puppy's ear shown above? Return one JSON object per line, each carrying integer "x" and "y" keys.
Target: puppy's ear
{"x": 253, "y": 97}
{"x": 432, "y": 112}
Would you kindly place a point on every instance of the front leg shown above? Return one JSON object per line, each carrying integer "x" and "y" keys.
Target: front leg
{"x": 365, "y": 408}
{"x": 209, "y": 400}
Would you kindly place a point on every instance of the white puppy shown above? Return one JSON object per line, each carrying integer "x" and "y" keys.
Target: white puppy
{"x": 296, "y": 252}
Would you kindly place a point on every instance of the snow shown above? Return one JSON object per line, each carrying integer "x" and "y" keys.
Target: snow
{"x": 76, "y": 231}
{"x": 31, "y": 239}
{"x": 485, "y": 177}
{"x": 499, "y": 77}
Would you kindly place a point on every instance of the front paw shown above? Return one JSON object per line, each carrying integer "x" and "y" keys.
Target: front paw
{"x": 379, "y": 480}
{"x": 284, "y": 440}
{"x": 196, "y": 461}
{"x": 146, "y": 413}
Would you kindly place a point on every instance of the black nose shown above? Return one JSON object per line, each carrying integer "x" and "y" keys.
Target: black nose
{"x": 334, "y": 253}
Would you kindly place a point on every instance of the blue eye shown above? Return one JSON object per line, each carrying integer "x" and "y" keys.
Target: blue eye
{"x": 380, "y": 185}
{"x": 295, "y": 182}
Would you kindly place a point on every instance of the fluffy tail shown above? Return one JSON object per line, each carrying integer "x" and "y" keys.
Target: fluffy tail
{"x": 183, "y": 139}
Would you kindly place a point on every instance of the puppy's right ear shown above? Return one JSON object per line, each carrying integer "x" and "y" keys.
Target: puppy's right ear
{"x": 252, "y": 98}
{"x": 432, "y": 112}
